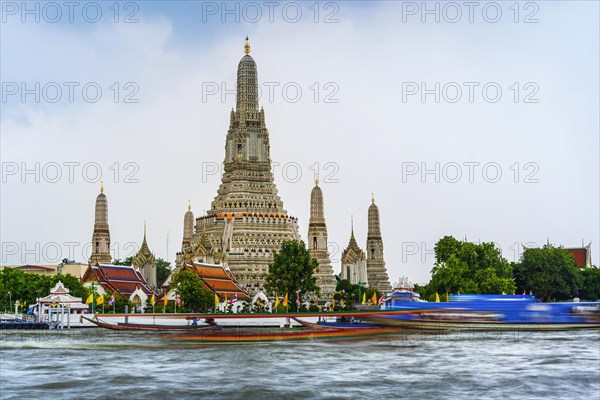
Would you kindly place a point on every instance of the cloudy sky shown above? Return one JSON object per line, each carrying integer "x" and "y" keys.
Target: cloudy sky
{"x": 478, "y": 122}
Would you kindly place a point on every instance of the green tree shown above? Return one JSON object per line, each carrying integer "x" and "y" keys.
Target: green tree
{"x": 118, "y": 306}
{"x": 292, "y": 271}
{"x": 26, "y": 287}
{"x": 469, "y": 268}
{"x": 550, "y": 273}
{"x": 192, "y": 292}
{"x": 445, "y": 247}
{"x": 590, "y": 284}
{"x": 127, "y": 261}
{"x": 163, "y": 270}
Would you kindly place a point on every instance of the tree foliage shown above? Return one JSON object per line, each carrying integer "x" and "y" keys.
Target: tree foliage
{"x": 191, "y": 291}
{"x": 352, "y": 294}
{"x": 163, "y": 270}
{"x": 469, "y": 268}
{"x": 292, "y": 271}
{"x": 126, "y": 261}
{"x": 26, "y": 287}
{"x": 590, "y": 285}
{"x": 549, "y": 272}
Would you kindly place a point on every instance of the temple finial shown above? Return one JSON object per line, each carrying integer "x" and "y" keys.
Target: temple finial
{"x": 101, "y": 187}
{"x": 247, "y": 46}
{"x": 189, "y": 205}
{"x": 352, "y": 223}
{"x": 316, "y": 180}
{"x": 372, "y": 198}
{"x": 144, "y": 230}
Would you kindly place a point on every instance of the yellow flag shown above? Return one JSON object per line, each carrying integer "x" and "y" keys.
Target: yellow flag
{"x": 217, "y": 300}
{"x": 285, "y": 300}
{"x": 152, "y": 299}
{"x": 100, "y": 300}
{"x": 503, "y": 293}
{"x": 276, "y": 300}
{"x": 364, "y": 299}
{"x": 437, "y": 297}
{"x": 374, "y": 298}
{"x": 165, "y": 300}
{"x": 90, "y": 299}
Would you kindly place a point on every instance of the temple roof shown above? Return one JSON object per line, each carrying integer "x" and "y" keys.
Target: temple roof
{"x": 144, "y": 256}
{"x": 60, "y": 295}
{"x": 352, "y": 251}
{"x": 217, "y": 279}
{"x": 123, "y": 279}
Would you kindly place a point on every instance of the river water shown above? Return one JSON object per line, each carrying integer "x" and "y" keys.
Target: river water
{"x": 98, "y": 364}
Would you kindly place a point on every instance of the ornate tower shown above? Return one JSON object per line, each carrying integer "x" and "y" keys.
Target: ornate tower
{"x": 376, "y": 271}
{"x": 101, "y": 235}
{"x": 146, "y": 262}
{"x": 188, "y": 228}
{"x": 354, "y": 263}
{"x": 317, "y": 242}
{"x": 246, "y": 222}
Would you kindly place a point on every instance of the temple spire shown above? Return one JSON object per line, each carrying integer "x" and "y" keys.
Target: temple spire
{"x": 101, "y": 187}
{"x": 189, "y": 205}
{"x": 247, "y": 46}
{"x": 101, "y": 234}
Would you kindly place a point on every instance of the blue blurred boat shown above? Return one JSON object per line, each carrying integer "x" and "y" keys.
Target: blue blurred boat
{"x": 484, "y": 312}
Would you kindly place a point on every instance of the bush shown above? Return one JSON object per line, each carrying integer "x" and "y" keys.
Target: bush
{"x": 313, "y": 308}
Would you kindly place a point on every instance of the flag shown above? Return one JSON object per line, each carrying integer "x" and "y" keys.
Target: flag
{"x": 152, "y": 299}
{"x": 276, "y": 300}
{"x": 217, "y": 300}
{"x": 233, "y": 299}
{"x": 503, "y": 293}
{"x": 165, "y": 299}
{"x": 523, "y": 291}
{"x": 437, "y": 297}
{"x": 374, "y": 298}
{"x": 364, "y": 299}
{"x": 99, "y": 300}
{"x": 382, "y": 299}
{"x": 90, "y": 299}
{"x": 177, "y": 299}
{"x": 112, "y": 299}
{"x": 297, "y": 299}
{"x": 285, "y": 300}
{"x": 225, "y": 301}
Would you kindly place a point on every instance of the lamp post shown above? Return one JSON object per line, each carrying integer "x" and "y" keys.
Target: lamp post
{"x": 10, "y": 300}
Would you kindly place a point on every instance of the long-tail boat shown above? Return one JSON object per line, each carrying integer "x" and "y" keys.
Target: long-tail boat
{"x": 124, "y": 326}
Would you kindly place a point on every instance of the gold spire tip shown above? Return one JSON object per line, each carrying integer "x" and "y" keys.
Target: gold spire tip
{"x": 317, "y": 180}
{"x": 101, "y": 187}
{"x": 372, "y": 198}
{"x": 247, "y": 46}
{"x": 189, "y": 205}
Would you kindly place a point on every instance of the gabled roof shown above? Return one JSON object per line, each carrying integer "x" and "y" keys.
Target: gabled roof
{"x": 217, "y": 279}
{"x": 60, "y": 295}
{"x": 123, "y": 279}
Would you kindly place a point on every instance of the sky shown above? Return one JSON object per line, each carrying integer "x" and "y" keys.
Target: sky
{"x": 477, "y": 121}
